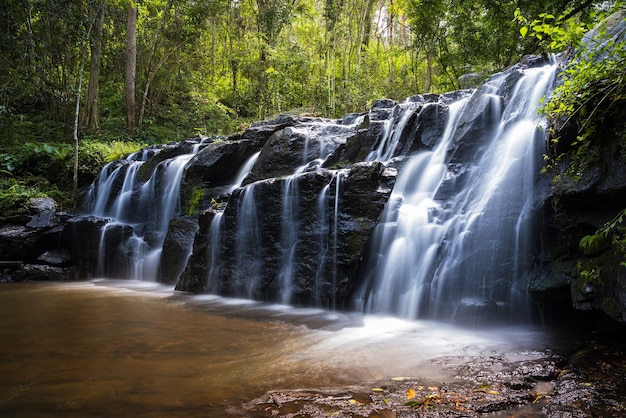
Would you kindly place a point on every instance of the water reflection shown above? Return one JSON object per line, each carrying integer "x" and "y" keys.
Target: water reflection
{"x": 123, "y": 348}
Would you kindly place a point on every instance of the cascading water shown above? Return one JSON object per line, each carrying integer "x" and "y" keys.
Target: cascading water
{"x": 407, "y": 238}
{"x": 147, "y": 207}
{"x": 301, "y": 222}
{"x": 393, "y": 129}
{"x": 289, "y": 236}
{"x": 260, "y": 241}
{"x": 461, "y": 254}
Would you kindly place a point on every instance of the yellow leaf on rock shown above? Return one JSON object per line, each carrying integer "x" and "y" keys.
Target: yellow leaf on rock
{"x": 410, "y": 394}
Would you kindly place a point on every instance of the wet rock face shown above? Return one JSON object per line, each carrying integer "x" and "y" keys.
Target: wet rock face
{"x": 195, "y": 276}
{"x": 310, "y": 141}
{"x": 212, "y": 170}
{"x": 315, "y": 244}
{"x": 43, "y": 246}
{"x": 589, "y": 190}
{"x": 176, "y": 248}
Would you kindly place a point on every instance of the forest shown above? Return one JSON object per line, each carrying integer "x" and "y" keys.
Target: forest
{"x": 83, "y": 82}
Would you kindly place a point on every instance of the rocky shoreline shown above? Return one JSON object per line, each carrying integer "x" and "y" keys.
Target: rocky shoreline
{"x": 587, "y": 383}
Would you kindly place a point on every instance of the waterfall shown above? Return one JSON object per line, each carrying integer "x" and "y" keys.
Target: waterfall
{"x": 289, "y": 236}
{"x": 119, "y": 194}
{"x": 323, "y": 228}
{"x": 454, "y": 240}
{"x": 392, "y": 131}
{"x": 407, "y": 237}
{"x": 305, "y": 211}
{"x": 243, "y": 173}
{"x": 248, "y": 245}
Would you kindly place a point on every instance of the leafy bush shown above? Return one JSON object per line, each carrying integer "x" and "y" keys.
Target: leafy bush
{"x": 14, "y": 195}
{"x": 94, "y": 154}
{"x": 612, "y": 233}
{"x": 591, "y": 89}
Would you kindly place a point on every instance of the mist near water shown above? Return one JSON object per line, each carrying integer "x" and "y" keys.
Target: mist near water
{"x": 131, "y": 347}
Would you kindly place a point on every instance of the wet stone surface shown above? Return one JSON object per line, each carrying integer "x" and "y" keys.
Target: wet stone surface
{"x": 588, "y": 383}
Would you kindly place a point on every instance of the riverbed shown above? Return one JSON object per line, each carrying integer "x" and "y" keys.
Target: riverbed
{"x": 130, "y": 348}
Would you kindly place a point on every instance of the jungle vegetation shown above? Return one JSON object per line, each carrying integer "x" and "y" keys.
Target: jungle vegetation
{"x": 83, "y": 82}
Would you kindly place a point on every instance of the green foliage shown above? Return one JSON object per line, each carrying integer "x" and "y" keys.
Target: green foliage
{"x": 589, "y": 274}
{"x": 40, "y": 169}
{"x": 94, "y": 154}
{"x": 193, "y": 202}
{"x": 591, "y": 90}
{"x": 589, "y": 97}
{"x": 14, "y": 195}
{"x": 554, "y": 34}
{"x": 612, "y": 233}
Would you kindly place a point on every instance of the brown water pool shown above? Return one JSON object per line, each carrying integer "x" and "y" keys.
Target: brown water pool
{"x": 103, "y": 348}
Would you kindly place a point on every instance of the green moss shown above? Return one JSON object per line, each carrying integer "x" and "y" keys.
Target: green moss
{"x": 193, "y": 201}
{"x": 589, "y": 274}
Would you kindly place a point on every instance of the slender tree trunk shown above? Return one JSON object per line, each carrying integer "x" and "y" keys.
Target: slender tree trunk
{"x": 152, "y": 69}
{"x": 76, "y": 135}
{"x": 392, "y": 75}
{"x": 91, "y": 120}
{"x": 131, "y": 63}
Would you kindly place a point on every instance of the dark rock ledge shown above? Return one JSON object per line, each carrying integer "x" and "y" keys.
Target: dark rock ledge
{"x": 588, "y": 383}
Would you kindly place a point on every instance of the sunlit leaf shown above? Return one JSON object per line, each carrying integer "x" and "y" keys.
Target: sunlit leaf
{"x": 410, "y": 394}
{"x": 523, "y": 31}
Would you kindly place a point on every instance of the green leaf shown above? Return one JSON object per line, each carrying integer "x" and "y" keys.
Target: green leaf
{"x": 523, "y": 31}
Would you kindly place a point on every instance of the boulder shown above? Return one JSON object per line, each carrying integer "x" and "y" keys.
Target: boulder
{"x": 310, "y": 142}
{"x": 176, "y": 248}
{"x": 56, "y": 258}
{"x": 211, "y": 171}
{"x": 195, "y": 277}
{"x": 42, "y": 272}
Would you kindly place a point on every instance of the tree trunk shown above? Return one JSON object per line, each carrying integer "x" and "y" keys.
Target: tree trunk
{"x": 152, "y": 69}
{"x": 91, "y": 120}
{"x": 392, "y": 75}
{"x": 131, "y": 63}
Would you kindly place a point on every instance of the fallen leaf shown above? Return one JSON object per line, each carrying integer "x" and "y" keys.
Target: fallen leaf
{"x": 485, "y": 389}
{"x": 410, "y": 394}
{"x": 539, "y": 395}
{"x": 414, "y": 404}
